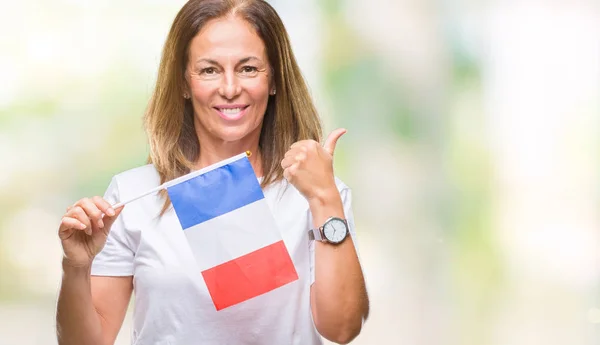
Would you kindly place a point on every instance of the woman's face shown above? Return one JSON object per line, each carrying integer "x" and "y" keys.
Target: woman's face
{"x": 229, "y": 79}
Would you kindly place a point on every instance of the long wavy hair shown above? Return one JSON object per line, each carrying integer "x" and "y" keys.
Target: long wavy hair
{"x": 169, "y": 119}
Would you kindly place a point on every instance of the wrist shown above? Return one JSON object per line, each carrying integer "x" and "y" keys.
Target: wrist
{"x": 324, "y": 197}
{"x": 75, "y": 269}
{"x": 325, "y": 205}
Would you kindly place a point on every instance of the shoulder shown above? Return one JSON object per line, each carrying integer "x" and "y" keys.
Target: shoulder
{"x": 145, "y": 174}
{"x": 136, "y": 180}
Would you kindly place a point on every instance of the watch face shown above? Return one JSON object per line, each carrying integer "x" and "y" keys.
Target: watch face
{"x": 335, "y": 230}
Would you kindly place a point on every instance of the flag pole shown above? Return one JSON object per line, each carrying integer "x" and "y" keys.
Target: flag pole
{"x": 154, "y": 190}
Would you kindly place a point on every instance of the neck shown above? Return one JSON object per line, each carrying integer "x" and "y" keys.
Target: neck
{"x": 214, "y": 151}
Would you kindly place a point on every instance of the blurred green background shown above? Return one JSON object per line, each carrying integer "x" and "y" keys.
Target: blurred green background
{"x": 472, "y": 150}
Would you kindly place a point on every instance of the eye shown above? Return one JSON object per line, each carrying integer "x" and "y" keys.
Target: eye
{"x": 249, "y": 70}
{"x": 209, "y": 71}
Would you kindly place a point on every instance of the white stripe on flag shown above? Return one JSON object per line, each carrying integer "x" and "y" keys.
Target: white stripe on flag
{"x": 233, "y": 234}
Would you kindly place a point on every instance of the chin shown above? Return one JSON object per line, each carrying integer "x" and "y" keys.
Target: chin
{"x": 233, "y": 133}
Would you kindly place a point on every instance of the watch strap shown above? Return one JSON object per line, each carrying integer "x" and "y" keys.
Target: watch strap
{"x": 315, "y": 234}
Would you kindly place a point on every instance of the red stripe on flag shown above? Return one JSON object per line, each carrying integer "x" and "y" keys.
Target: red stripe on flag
{"x": 250, "y": 275}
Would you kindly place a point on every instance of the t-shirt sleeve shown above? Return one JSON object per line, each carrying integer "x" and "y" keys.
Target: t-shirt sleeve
{"x": 346, "y": 195}
{"x": 116, "y": 258}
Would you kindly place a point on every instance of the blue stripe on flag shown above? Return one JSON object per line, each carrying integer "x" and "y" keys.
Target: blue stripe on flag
{"x": 215, "y": 193}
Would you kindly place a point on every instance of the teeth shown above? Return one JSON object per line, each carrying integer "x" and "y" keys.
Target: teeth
{"x": 231, "y": 111}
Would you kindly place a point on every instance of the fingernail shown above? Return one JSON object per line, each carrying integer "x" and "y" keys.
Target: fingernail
{"x": 110, "y": 212}
{"x": 100, "y": 223}
{"x": 81, "y": 226}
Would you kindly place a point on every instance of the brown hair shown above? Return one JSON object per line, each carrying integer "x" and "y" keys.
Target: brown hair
{"x": 290, "y": 115}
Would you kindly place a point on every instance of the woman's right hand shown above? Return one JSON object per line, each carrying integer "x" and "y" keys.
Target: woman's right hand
{"x": 84, "y": 229}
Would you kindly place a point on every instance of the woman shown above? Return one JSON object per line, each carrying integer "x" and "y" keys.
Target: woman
{"x": 228, "y": 83}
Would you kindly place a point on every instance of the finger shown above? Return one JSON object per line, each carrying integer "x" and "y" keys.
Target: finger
{"x": 297, "y": 156}
{"x": 287, "y": 162}
{"x": 295, "y": 151}
{"x": 109, "y": 220}
{"x": 92, "y": 211}
{"x": 286, "y": 175}
{"x": 78, "y": 213}
{"x": 332, "y": 139}
{"x": 300, "y": 157}
{"x": 71, "y": 223}
{"x": 104, "y": 206}
{"x": 290, "y": 172}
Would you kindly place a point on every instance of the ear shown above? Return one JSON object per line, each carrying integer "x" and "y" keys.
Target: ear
{"x": 187, "y": 92}
{"x": 272, "y": 86}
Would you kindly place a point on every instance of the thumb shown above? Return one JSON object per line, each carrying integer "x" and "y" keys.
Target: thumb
{"x": 332, "y": 139}
{"x": 108, "y": 221}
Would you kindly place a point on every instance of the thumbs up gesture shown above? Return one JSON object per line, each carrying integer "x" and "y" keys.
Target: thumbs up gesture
{"x": 309, "y": 166}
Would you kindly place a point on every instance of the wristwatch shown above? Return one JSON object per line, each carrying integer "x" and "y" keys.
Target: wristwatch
{"x": 334, "y": 230}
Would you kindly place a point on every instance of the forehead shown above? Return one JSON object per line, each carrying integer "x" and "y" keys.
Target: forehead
{"x": 224, "y": 38}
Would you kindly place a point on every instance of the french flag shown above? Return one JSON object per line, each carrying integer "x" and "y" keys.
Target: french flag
{"x": 231, "y": 231}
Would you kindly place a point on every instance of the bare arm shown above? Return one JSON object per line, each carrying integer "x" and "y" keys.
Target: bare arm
{"x": 339, "y": 301}
{"x": 91, "y": 309}
{"x": 338, "y": 297}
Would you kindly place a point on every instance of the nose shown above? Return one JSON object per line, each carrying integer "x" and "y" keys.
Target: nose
{"x": 230, "y": 86}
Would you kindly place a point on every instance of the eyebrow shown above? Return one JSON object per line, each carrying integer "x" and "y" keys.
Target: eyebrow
{"x": 242, "y": 61}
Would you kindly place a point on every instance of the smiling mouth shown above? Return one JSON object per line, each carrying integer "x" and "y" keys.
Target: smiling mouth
{"x": 232, "y": 113}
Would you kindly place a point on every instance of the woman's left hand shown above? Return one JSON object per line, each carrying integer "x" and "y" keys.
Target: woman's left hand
{"x": 309, "y": 166}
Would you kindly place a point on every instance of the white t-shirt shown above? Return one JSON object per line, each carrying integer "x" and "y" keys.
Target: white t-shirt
{"x": 172, "y": 304}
